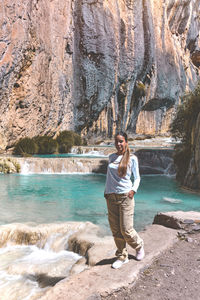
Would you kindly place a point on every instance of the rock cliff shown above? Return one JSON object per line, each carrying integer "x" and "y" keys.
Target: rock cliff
{"x": 192, "y": 178}
{"x": 95, "y": 65}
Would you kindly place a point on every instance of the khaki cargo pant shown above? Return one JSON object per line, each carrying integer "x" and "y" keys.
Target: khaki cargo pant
{"x": 120, "y": 216}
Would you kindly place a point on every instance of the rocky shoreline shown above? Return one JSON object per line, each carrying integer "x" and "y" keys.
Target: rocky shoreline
{"x": 173, "y": 275}
{"x": 102, "y": 282}
{"x": 91, "y": 275}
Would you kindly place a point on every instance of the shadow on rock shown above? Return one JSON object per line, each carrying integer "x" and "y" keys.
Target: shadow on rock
{"x": 110, "y": 261}
{"x": 45, "y": 280}
{"x": 106, "y": 261}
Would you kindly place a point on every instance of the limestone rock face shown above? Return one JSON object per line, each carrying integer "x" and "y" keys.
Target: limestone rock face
{"x": 94, "y": 65}
{"x": 36, "y": 69}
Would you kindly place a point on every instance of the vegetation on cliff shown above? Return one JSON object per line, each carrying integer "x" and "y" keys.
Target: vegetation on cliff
{"x": 47, "y": 145}
{"x": 9, "y": 165}
{"x": 182, "y": 128}
{"x": 67, "y": 139}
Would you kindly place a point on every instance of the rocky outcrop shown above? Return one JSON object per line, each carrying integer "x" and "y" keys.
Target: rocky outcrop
{"x": 192, "y": 178}
{"x": 188, "y": 220}
{"x": 94, "y": 66}
{"x": 34, "y": 234}
{"x": 101, "y": 280}
{"x": 152, "y": 161}
{"x": 91, "y": 245}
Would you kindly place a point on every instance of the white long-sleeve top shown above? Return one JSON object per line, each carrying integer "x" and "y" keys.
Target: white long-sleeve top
{"x": 119, "y": 185}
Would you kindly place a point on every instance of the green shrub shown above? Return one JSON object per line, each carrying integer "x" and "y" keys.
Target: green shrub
{"x": 67, "y": 139}
{"x": 46, "y": 145}
{"x": 84, "y": 142}
{"x": 182, "y": 157}
{"x": 65, "y": 148}
{"x": 186, "y": 116}
{"x": 140, "y": 89}
{"x": 25, "y": 146}
{"x": 181, "y": 128}
{"x": 77, "y": 139}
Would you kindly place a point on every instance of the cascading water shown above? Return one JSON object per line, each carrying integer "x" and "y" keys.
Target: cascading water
{"x": 27, "y": 270}
{"x": 67, "y": 165}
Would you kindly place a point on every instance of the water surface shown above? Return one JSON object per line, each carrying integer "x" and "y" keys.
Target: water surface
{"x": 57, "y": 198}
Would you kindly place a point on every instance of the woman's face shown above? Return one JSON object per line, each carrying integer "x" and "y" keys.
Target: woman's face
{"x": 120, "y": 144}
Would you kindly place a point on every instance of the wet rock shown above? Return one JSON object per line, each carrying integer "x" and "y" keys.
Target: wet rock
{"x": 32, "y": 234}
{"x": 156, "y": 161}
{"x": 79, "y": 266}
{"x": 88, "y": 243}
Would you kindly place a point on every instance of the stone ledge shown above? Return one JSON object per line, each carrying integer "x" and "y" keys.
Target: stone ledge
{"x": 178, "y": 219}
{"x": 102, "y": 279}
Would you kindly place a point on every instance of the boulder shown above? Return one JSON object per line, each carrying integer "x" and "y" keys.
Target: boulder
{"x": 178, "y": 219}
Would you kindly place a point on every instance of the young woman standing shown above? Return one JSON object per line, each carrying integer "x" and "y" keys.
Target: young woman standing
{"x": 119, "y": 194}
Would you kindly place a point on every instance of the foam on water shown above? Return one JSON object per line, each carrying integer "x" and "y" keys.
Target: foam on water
{"x": 172, "y": 200}
{"x": 20, "y": 264}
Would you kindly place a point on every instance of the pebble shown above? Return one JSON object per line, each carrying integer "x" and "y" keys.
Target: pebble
{"x": 173, "y": 271}
{"x": 189, "y": 240}
{"x": 188, "y": 221}
{"x": 196, "y": 228}
{"x": 163, "y": 265}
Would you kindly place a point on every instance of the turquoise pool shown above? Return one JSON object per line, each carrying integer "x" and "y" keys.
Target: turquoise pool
{"x": 53, "y": 198}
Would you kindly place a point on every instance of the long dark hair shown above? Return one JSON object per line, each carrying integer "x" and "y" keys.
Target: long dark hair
{"x": 122, "y": 169}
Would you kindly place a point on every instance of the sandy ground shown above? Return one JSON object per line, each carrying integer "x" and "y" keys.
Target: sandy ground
{"x": 174, "y": 275}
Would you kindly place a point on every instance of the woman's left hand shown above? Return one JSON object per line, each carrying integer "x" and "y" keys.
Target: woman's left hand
{"x": 131, "y": 194}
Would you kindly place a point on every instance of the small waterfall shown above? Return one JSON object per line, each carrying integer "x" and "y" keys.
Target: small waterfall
{"x": 67, "y": 165}
{"x": 156, "y": 161}
{"x": 34, "y": 258}
{"x": 91, "y": 151}
{"x": 25, "y": 168}
{"x": 170, "y": 169}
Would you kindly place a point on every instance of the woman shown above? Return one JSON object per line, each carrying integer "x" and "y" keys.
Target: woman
{"x": 119, "y": 193}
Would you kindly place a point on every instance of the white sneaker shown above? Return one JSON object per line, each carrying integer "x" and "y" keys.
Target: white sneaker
{"x": 118, "y": 263}
{"x": 140, "y": 253}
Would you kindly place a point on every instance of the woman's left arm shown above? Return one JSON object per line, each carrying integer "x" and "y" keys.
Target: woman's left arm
{"x": 136, "y": 175}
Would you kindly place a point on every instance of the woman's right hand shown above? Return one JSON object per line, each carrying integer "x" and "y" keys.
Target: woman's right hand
{"x": 131, "y": 194}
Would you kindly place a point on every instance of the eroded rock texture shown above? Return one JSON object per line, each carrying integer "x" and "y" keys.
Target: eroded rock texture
{"x": 192, "y": 178}
{"x": 94, "y": 65}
